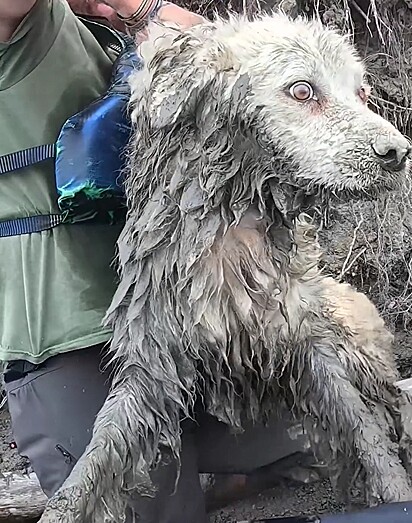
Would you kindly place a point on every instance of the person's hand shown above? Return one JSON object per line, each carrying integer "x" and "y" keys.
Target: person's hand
{"x": 91, "y": 8}
{"x": 109, "y": 9}
{"x": 182, "y": 17}
{"x": 169, "y": 13}
{"x": 96, "y": 9}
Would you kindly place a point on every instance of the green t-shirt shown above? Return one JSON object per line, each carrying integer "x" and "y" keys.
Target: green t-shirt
{"x": 55, "y": 286}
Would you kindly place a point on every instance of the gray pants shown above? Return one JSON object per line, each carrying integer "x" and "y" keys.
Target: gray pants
{"x": 53, "y": 409}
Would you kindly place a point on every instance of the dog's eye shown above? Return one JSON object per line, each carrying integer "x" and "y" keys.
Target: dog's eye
{"x": 302, "y": 91}
{"x": 364, "y": 93}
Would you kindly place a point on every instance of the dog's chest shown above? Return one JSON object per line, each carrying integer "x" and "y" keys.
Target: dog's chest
{"x": 249, "y": 315}
{"x": 258, "y": 294}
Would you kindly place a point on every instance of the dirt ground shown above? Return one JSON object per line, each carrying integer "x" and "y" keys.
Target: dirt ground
{"x": 9, "y": 459}
{"x": 288, "y": 500}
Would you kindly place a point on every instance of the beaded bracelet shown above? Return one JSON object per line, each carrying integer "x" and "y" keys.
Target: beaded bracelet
{"x": 147, "y": 10}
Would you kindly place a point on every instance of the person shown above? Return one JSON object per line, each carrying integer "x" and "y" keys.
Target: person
{"x": 57, "y": 283}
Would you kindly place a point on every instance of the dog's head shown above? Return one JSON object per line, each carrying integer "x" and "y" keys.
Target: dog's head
{"x": 295, "y": 86}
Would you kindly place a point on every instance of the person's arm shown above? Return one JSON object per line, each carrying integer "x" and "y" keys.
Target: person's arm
{"x": 12, "y": 13}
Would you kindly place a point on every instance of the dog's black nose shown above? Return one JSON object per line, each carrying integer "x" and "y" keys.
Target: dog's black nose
{"x": 392, "y": 150}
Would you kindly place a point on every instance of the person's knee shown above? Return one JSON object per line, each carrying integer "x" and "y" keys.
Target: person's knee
{"x": 53, "y": 408}
{"x": 52, "y": 466}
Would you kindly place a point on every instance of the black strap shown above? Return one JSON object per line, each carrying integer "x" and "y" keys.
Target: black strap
{"x": 30, "y": 224}
{"x": 21, "y": 159}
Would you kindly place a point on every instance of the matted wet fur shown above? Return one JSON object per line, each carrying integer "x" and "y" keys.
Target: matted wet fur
{"x": 221, "y": 298}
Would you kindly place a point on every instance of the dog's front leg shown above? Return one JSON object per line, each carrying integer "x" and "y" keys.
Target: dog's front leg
{"x": 129, "y": 433}
{"x": 321, "y": 387}
{"x": 95, "y": 490}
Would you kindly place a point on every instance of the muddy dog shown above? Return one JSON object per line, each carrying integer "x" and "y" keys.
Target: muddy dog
{"x": 240, "y": 127}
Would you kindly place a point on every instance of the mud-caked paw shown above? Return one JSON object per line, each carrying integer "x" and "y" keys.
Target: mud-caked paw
{"x": 64, "y": 507}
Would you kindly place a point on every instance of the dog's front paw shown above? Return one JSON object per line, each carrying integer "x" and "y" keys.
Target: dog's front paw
{"x": 65, "y": 507}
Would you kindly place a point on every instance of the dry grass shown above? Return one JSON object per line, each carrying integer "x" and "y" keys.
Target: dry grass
{"x": 377, "y": 253}
{"x": 379, "y": 256}
{"x": 210, "y": 7}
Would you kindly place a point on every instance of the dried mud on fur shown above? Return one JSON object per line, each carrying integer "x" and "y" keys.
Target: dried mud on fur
{"x": 368, "y": 244}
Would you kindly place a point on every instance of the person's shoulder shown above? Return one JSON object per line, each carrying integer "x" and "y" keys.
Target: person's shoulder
{"x": 32, "y": 40}
{"x": 44, "y": 13}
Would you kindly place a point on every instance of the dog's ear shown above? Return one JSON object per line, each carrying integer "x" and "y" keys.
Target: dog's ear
{"x": 179, "y": 67}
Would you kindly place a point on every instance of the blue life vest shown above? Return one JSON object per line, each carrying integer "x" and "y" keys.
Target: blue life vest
{"x": 89, "y": 153}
